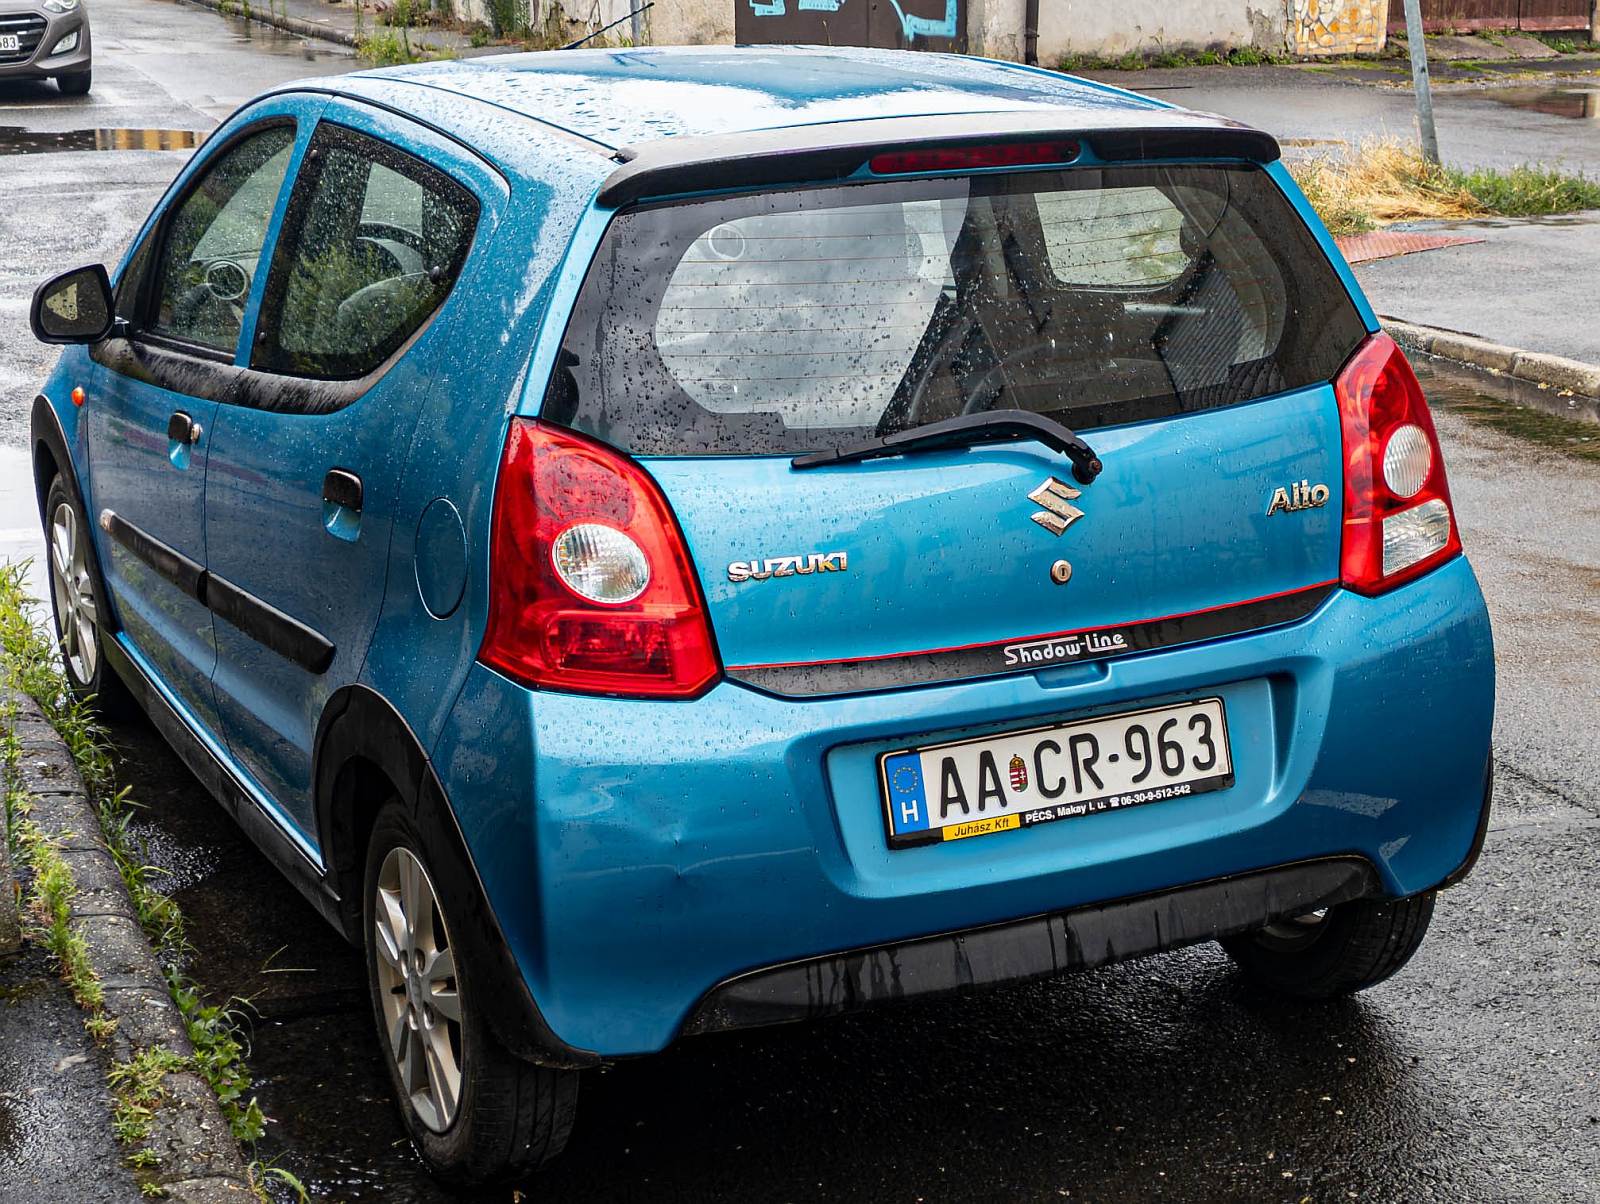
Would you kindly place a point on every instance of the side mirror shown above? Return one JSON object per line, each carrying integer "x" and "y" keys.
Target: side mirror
{"x": 75, "y": 307}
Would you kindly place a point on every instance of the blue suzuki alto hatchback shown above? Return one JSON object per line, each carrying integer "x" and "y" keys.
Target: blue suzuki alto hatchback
{"x": 666, "y": 541}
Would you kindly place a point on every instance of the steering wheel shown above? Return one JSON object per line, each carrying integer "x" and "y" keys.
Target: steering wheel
{"x": 978, "y": 392}
{"x": 981, "y": 387}
{"x": 224, "y": 286}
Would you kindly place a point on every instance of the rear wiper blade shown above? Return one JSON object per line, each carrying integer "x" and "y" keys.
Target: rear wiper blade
{"x": 967, "y": 430}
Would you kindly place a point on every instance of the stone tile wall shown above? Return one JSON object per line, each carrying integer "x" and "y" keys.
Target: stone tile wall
{"x": 1332, "y": 27}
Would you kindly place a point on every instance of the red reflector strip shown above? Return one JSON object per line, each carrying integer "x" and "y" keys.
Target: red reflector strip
{"x": 969, "y": 158}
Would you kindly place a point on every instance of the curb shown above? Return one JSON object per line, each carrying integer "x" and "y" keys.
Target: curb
{"x": 295, "y": 25}
{"x": 10, "y": 924}
{"x": 1551, "y": 371}
{"x": 200, "y": 1161}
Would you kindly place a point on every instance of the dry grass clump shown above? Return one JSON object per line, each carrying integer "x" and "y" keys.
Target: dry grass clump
{"x": 1382, "y": 181}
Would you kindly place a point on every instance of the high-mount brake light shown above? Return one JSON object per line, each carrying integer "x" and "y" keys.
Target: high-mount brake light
{"x": 972, "y": 158}
{"x": 1398, "y": 519}
{"x": 591, "y": 588}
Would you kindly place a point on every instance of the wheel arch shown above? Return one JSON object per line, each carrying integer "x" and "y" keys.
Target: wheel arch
{"x": 49, "y": 451}
{"x": 366, "y": 755}
{"x": 51, "y": 457}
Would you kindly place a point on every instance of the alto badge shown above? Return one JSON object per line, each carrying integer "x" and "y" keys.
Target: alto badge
{"x": 1302, "y": 495}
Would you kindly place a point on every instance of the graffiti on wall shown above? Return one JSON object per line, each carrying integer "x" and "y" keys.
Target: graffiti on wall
{"x": 907, "y": 24}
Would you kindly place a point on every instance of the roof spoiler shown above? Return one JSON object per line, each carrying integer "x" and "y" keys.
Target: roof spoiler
{"x": 832, "y": 151}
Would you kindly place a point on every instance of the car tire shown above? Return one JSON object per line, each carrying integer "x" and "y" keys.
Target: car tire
{"x": 75, "y": 85}
{"x": 507, "y": 1117}
{"x": 77, "y": 607}
{"x": 1336, "y": 952}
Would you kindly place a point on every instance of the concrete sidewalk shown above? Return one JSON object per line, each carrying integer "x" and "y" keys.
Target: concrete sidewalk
{"x": 1530, "y": 284}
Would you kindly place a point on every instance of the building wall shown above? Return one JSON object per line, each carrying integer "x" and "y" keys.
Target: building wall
{"x": 1088, "y": 27}
{"x": 691, "y": 22}
{"x": 1097, "y": 28}
{"x": 1338, "y": 26}
{"x": 1108, "y": 30}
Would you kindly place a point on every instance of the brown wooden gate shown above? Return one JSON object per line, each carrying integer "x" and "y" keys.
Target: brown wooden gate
{"x": 1441, "y": 16}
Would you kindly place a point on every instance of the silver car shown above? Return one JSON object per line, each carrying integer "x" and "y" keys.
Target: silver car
{"x": 46, "y": 39}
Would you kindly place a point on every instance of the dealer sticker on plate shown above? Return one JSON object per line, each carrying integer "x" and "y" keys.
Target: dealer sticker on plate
{"x": 1069, "y": 770}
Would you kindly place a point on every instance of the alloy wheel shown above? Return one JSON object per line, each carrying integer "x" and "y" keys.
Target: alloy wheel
{"x": 418, "y": 988}
{"x": 77, "y": 615}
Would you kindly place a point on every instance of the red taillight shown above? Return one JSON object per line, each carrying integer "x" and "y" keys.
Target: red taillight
{"x": 590, "y": 584}
{"x": 1398, "y": 520}
{"x": 972, "y": 158}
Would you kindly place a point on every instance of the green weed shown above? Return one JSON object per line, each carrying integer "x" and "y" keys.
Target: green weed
{"x": 262, "y": 1173}
{"x": 1135, "y": 60}
{"x": 1527, "y": 191}
{"x": 138, "y": 1086}
{"x": 1565, "y": 44}
{"x": 385, "y": 50}
{"x": 28, "y": 658}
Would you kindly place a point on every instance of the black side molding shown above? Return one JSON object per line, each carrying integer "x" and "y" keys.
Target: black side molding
{"x": 1040, "y": 947}
{"x": 265, "y": 624}
{"x": 166, "y": 561}
{"x": 832, "y": 151}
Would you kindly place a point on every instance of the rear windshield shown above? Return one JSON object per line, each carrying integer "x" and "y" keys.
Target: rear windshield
{"x": 795, "y": 321}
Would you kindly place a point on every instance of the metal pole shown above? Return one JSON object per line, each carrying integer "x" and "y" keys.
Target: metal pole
{"x": 637, "y": 16}
{"x": 1594, "y": 20}
{"x": 1419, "y": 80}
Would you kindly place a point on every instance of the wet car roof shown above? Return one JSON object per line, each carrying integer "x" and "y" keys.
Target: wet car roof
{"x": 624, "y": 97}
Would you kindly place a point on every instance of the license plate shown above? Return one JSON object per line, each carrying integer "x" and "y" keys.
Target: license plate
{"x": 10, "y": 43}
{"x": 1066, "y": 771}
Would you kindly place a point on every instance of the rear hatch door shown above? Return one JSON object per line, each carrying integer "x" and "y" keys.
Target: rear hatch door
{"x": 1180, "y": 317}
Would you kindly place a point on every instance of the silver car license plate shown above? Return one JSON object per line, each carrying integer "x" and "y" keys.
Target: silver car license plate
{"x": 10, "y": 43}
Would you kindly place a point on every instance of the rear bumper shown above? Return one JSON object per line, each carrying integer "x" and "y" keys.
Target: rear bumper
{"x": 642, "y": 857}
{"x": 1038, "y": 947}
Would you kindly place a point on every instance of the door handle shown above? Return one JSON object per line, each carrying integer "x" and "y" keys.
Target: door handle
{"x": 341, "y": 504}
{"x": 342, "y": 487}
{"x": 181, "y": 428}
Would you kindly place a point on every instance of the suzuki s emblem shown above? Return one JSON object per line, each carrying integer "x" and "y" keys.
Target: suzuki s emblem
{"x": 1059, "y": 513}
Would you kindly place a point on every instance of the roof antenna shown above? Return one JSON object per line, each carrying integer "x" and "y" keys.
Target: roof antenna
{"x": 596, "y": 33}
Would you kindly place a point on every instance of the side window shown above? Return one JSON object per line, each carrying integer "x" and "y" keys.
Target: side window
{"x": 373, "y": 243}
{"x": 213, "y": 242}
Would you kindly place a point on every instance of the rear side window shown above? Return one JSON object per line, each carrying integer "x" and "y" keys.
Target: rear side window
{"x": 372, "y": 244}
{"x": 786, "y": 322}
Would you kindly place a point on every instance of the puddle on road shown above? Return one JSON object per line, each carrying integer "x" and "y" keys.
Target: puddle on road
{"x": 1566, "y": 424}
{"x": 19, "y": 140}
{"x": 1581, "y": 104}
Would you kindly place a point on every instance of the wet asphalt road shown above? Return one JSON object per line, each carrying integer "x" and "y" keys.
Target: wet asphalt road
{"x": 1473, "y": 1076}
